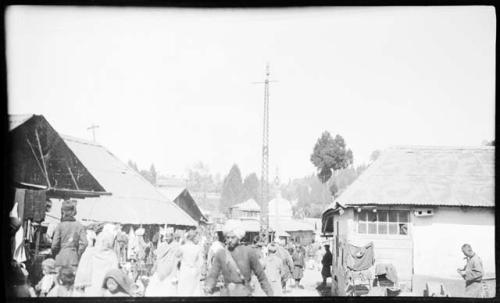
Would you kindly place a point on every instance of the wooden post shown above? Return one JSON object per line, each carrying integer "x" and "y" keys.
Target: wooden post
{"x": 72, "y": 177}
{"x": 36, "y": 158}
{"x": 43, "y": 160}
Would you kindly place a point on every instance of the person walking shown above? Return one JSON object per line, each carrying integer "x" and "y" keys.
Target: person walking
{"x": 326, "y": 271}
{"x": 299, "y": 263}
{"x": 164, "y": 281}
{"x": 236, "y": 263}
{"x": 472, "y": 273}
{"x": 70, "y": 238}
{"x": 191, "y": 258}
{"x": 272, "y": 268}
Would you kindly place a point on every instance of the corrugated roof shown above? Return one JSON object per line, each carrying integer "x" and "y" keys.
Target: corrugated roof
{"x": 134, "y": 200}
{"x": 248, "y": 205}
{"x": 412, "y": 175}
{"x": 16, "y": 120}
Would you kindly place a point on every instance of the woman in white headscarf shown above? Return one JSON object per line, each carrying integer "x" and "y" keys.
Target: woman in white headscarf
{"x": 96, "y": 261}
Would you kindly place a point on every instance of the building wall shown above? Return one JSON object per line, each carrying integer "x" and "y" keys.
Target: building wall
{"x": 431, "y": 251}
{"x": 438, "y": 240}
{"x": 394, "y": 249}
{"x": 304, "y": 237}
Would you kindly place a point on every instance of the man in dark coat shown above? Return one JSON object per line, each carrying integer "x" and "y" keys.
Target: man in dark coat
{"x": 70, "y": 237}
{"x": 236, "y": 264}
{"x": 326, "y": 271}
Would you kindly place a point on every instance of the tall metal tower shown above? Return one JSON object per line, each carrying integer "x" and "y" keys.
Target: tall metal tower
{"x": 264, "y": 198}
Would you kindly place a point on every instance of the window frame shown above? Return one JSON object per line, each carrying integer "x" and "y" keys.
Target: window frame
{"x": 363, "y": 218}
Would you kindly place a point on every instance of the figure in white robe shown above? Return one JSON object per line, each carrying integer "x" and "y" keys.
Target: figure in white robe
{"x": 191, "y": 255}
{"x": 164, "y": 281}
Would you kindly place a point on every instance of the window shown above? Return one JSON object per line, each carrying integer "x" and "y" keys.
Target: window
{"x": 383, "y": 222}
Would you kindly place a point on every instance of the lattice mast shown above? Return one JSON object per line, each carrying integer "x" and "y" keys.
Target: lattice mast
{"x": 265, "y": 162}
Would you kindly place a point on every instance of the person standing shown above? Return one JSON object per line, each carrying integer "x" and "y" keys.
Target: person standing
{"x": 70, "y": 237}
{"x": 299, "y": 263}
{"x": 326, "y": 271}
{"x": 472, "y": 273}
{"x": 236, "y": 263}
{"x": 286, "y": 267}
{"x": 272, "y": 268}
{"x": 191, "y": 258}
{"x": 96, "y": 262}
{"x": 121, "y": 244}
{"x": 164, "y": 280}
{"x": 217, "y": 244}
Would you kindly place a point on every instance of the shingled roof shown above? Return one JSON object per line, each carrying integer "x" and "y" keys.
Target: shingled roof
{"x": 427, "y": 176}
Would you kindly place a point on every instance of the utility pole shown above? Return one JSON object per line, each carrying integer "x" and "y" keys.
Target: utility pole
{"x": 92, "y": 128}
{"x": 264, "y": 198}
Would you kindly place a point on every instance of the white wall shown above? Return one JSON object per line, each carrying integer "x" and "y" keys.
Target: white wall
{"x": 438, "y": 240}
{"x": 393, "y": 249}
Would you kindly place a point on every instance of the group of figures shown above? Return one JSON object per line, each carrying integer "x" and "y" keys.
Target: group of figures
{"x": 114, "y": 263}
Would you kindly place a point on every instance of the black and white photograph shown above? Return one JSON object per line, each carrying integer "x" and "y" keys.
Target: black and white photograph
{"x": 267, "y": 152}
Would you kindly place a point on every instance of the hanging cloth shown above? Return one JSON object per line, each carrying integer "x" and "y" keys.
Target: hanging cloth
{"x": 19, "y": 252}
{"x": 360, "y": 258}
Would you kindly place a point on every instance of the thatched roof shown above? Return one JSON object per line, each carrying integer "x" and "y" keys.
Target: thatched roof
{"x": 426, "y": 176}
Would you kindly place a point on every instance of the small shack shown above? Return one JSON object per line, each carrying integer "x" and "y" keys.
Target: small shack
{"x": 418, "y": 205}
{"x": 183, "y": 198}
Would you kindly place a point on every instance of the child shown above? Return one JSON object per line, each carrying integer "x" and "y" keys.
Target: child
{"x": 116, "y": 284}
{"x": 65, "y": 282}
{"x": 49, "y": 277}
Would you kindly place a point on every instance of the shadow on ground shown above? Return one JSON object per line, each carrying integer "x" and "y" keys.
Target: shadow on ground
{"x": 324, "y": 291}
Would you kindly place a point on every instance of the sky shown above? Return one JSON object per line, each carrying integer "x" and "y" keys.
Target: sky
{"x": 175, "y": 86}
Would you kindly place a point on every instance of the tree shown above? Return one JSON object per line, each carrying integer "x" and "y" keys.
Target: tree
{"x": 330, "y": 155}
{"x": 334, "y": 189}
{"x": 374, "y": 156}
{"x": 153, "y": 174}
{"x": 232, "y": 189}
{"x": 251, "y": 187}
{"x": 133, "y": 165}
{"x": 147, "y": 175}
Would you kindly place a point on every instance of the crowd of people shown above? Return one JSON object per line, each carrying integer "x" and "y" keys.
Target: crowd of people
{"x": 196, "y": 262}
